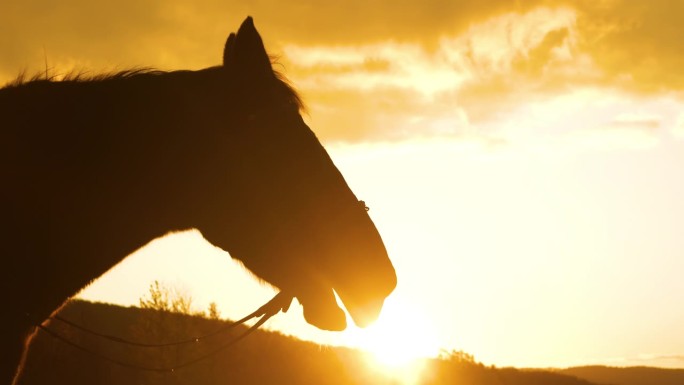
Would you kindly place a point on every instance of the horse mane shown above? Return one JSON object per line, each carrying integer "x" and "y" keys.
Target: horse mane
{"x": 292, "y": 95}
{"x": 80, "y": 76}
{"x": 282, "y": 84}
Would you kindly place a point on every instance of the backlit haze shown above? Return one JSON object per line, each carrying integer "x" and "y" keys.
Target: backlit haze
{"x": 523, "y": 161}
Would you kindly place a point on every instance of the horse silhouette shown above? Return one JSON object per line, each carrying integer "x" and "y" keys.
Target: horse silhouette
{"x": 95, "y": 168}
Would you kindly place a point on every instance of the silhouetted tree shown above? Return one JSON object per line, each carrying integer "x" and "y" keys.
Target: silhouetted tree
{"x": 213, "y": 312}
{"x": 458, "y": 356}
{"x": 163, "y": 322}
{"x": 165, "y": 298}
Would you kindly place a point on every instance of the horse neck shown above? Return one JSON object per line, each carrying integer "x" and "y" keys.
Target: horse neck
{"x": 103, "y": 177}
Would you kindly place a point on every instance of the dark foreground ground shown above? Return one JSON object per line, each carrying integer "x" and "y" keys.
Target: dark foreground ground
{"x": 262, "y": 358}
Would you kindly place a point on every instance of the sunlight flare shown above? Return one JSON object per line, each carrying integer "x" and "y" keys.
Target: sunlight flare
{"x": 398, "y": 343}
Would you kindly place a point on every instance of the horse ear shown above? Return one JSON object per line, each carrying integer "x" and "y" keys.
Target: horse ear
{"x": 229, "y": 51}
{"x": 248, "y": 52}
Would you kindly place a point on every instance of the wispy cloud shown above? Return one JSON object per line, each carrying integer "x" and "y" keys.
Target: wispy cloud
{"x": 662, "y": 357}
{"x": 678, "y": 128}
{"x": 463, "y": 79}
{"x": 487, "y": 80}
{"x": 624, "y": 131}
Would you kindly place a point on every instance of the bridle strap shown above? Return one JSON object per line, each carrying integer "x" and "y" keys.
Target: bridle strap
{"x": 280, "y": 302}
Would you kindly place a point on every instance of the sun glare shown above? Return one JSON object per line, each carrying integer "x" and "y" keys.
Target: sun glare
{"x": 398, "y": 342}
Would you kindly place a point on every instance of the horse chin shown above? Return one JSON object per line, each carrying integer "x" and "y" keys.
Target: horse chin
{"x": 322, "y": 311}
{"x": 333, "y": 321}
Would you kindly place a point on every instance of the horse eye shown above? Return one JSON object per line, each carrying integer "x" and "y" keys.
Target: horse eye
{"x": 363, "y": 204}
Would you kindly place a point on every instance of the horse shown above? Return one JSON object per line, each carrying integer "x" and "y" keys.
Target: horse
{"x": 95, "y": 167}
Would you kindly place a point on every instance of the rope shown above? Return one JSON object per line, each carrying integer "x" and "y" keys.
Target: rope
{"x": 268, "y": 310}
{"x": 155, "y": 345}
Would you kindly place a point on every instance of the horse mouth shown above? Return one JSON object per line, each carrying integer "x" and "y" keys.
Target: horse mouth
{"x": 327, "y": 314}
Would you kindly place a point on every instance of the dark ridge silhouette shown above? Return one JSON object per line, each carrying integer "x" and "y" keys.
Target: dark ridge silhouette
{"x": 639, "y": 375}
{"x": 264, "y": 358}
{"x": 94, "y": 168}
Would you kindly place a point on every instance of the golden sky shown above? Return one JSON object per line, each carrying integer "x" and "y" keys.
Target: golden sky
{"x": 391, "y": 62}
{"x": 522, "y": 159}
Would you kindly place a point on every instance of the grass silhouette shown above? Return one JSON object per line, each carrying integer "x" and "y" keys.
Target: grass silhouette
{"x": 263, "y": 358}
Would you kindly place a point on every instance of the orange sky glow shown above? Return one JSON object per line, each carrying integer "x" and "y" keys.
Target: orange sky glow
{"x": 522, "y": 160}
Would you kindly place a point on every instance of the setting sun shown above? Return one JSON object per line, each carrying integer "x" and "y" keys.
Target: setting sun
{"x": 398, "y": 341}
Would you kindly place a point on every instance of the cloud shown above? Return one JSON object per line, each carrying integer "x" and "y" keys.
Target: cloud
{"x": 615, "y": 137}
{"x": 674, "y": 361}
{"x": 586, "y": 119}
{"x": 672, "y": 358}
{"x": 181, "y": 34}
{"x": 510, "y": 62}
{"x": 96, "y": 36}
{"x": 678, "y": 128}
{"x": 635, "y": 44}
{"x": 465, "y": 78}
{"x": 387, "y": 70}
{"x": 389, "y": 115}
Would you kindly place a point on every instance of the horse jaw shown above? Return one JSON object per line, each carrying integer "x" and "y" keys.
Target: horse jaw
{"x": 365, "y": 283}
{"x": 321, "y": 310}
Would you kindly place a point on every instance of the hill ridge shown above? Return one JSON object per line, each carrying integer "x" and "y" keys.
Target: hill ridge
{"x": 264, "y": 357}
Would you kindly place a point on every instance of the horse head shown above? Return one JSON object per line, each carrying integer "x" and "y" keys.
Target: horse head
{"x": 298, "y": 225}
